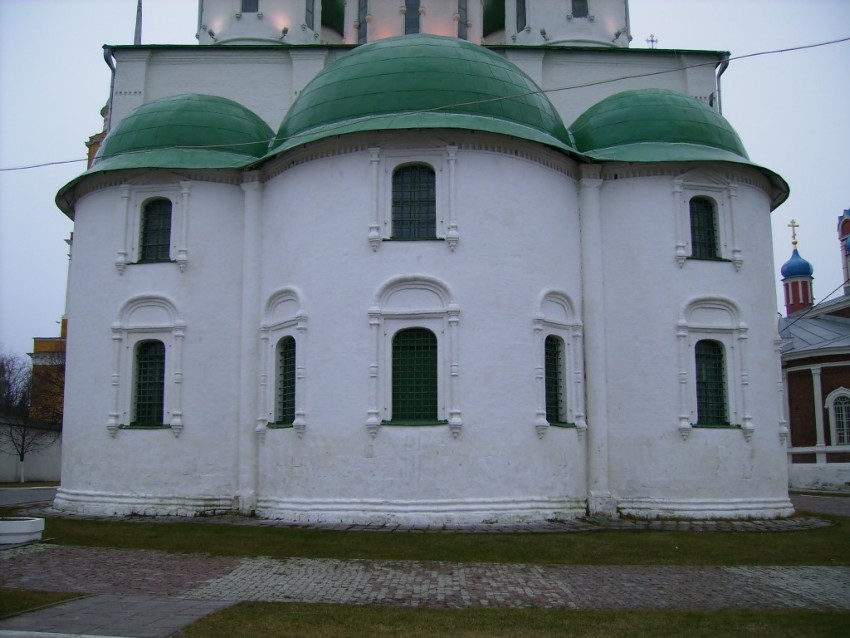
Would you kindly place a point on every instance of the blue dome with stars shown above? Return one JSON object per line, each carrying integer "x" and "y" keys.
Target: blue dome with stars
{"x": 796, "y": 267}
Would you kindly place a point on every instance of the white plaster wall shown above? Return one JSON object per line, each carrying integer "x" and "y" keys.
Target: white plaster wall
{"x": 606, "y": 24}
{"x": 825, "y": 476}
{"x": 142, "y": 470}
{"x": 515, "y": 218}
{"x": 715, "y": 471}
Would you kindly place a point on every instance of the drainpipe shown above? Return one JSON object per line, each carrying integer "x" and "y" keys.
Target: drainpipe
{"x": 110, "y": 62}
{"x": 724, "y": 64}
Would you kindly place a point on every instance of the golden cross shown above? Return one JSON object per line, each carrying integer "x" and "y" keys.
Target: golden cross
{"x": 793, "y": 225}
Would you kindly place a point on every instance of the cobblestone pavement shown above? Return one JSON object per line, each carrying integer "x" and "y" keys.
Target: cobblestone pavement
{"x": 422, "y": 583}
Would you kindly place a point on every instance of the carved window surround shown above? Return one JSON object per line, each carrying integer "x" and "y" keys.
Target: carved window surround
{"x": 283, "y": 317}
{"x": 414, "y": 302}
{"x": 556, "y": 316}
{"x": 384, "y": 163}
{"x": 131, "y": 200}
{"x": 718, "y": 319}
{"x": 142, "y": 318}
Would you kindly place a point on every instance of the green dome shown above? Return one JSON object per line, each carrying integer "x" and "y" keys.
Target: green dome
{"x": 421, "y": 81}
{"x": 658, "y": 125}
{"x": 655, "y": 125}
{"x": 185, "y": 131}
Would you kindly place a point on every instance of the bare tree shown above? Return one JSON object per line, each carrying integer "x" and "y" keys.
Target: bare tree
{"x": 27, "y": 425}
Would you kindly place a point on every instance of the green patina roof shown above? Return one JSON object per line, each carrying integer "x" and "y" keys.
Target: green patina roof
{"x": 639, "y": 125}
{"x": 658, "y": 125}
{"x": 421, "y": 81}
{"x": 185, "y": 131}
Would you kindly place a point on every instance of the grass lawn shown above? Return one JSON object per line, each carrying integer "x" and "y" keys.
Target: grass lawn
{"x": 296, "y": 620}
{"x": 16, "y": 601}
{"x": 826, "y": 546}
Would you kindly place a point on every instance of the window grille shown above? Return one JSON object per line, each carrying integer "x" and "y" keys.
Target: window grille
{"x": 703, "y": 229}
{"x": 411, "y": 16}
{"x": 414, "y": 370}
{"x": 462, "y": 18}
{"x": 711, "y": 383}
{"x": 250, "y": 6}
{"x": 414, "y": 212}
{"x": 554, "y": 362}
{"x": 520, "y": 15}
{"x": 155, "y": 244}
{"x": 309, "y": 19}
{"x": 841, "y": 409}
{"x": 580, "y": 9}
{"x": 362, "y": 12}
{"x": 286, "y": 381}
{"x": 150, "y": 383}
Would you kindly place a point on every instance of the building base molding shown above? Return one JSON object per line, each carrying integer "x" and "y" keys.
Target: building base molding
{"x": 707, "y": 508}
{"x": 117, "y": 504}
{"x": 420, "y": 512}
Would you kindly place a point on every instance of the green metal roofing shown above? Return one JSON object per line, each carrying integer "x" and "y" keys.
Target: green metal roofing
{"x": 645, "y": 122}
{"x": 185, "y": 131}
{"x": 421, "y": 81}
{"x": 659, "y": 125}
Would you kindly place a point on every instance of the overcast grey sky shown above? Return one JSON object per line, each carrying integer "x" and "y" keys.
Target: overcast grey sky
{"x": 790, "y": 110}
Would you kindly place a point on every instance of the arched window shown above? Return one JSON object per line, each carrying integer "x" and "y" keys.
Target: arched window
{"x": 414, "y": 205}
{"x": 580, "y": 9}
{"x": 250, "y": 6}
{"x": 554, "y": 374}
{"x": 841, "y": 420}
{"x": 711, "y": 383}
{"x": 704, "y": 244}
{"x": 414, "y": 374}
{"x": 411, "y": 16}
{"x": 286, "y": 381}
{"x": 155, "y": 242}
{"x": 521, "y": 20}
{"x": 150, "y": 383}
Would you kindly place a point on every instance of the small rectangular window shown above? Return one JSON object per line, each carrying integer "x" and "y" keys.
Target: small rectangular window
{"x": 309, "y": 19}
{"x": 250, "y": 6}
{"x": 414, "y": 374}
{"x": 554, "y": 379}
{"x": 414, "y": 204}
{"x": 155, "y": 242}
{"x": 580, "y": 9}
{"x": 362, "y": 13}
{"x": 520, "y": 15}
{"x": 461, "y": 19}
{"x": 711, "y": 383}
{"x": 704, "y": 244}
{"x": 286, "y": 381}
{"x": 411, "y": 16}
{"x": 150, "y": 383}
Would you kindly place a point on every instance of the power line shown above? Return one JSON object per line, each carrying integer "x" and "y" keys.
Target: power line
{"x": 463, "y": 104}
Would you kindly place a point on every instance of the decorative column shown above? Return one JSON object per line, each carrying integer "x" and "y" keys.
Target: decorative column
{"x": 541, "y": 423}
{"x": 684, "y": 413}
{"x": 263, "y": 416}
{"x": 177, "y": 401}
{"x": 247, "y": 444}
{"x": 578, "y": 382}
{"x": 747, "y": 418}
{"x": 737, "y": 259}
{"x": 780, "y": 392}
{"x": 679, "y": 223}
{"x": 115, "y": 416}
{"x": 817, "y": 397}
{"x": 599, "y": 499}
{"x": 375, "y": 225}
{"x": 373, "y": 421}
{"x": 300, "y": 423}
{"x": 182, "y": 252}
{"x": 452, "y": 235}
{"x": 455, "y": 419}
{"x": 123, "y": 213}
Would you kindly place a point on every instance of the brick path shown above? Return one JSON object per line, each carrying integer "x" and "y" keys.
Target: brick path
{"x": 423, "y": 583}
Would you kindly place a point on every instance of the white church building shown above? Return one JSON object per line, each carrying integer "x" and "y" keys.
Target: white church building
{"x": 421, "y": 261}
